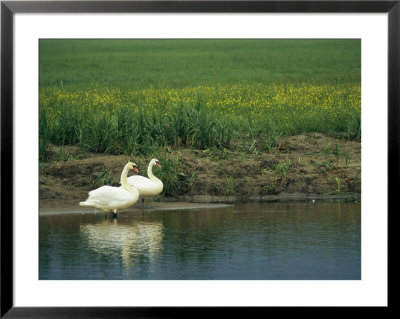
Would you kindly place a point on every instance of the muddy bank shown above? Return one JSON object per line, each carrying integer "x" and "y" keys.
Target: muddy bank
{"x": 150, "y": 207}
{"x": 303, "y": 167}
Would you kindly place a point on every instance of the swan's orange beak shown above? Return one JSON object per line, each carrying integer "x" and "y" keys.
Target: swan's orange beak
{"x": 135, "y": 169}
{"x": 158, "y": 164}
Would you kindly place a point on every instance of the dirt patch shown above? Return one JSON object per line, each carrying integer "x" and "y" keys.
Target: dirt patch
{"x": 304, "y": 166}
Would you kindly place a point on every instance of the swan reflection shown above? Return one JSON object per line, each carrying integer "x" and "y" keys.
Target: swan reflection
{"x": 132, "y": 241}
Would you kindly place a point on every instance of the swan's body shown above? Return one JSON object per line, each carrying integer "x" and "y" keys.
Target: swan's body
{"x": 109, "y": 198}
{"x": 112, "y": 199}
{"x": 147, "y": 186}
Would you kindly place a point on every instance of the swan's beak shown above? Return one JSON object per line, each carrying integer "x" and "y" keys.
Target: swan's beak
{"x": 136, "y": 169}
{"x": 158, "y": 164}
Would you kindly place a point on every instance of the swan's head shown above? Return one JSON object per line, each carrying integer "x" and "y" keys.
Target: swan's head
{"x": 133, "y": 166}
{"x": 156, "y": 162}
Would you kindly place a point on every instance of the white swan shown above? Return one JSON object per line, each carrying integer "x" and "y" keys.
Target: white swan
{"x": 147, "y": 186}
{"x": 111, "y": 199}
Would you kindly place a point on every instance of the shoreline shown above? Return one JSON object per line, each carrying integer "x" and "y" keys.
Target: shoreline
{"x": 190, "y": 202}
{"x": 309, "y": 166}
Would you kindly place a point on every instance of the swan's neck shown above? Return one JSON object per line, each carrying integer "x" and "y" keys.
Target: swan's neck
{"x": 124, "y": 180}
{"x": 151, "y": 175}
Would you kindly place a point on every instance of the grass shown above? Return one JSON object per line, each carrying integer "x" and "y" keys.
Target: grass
{"x": 338, "y": 184}
{"x": 283, "y": 169}
{"x": 103, "y": 178}
{"x": 139, "y": 64}
{"x": 139, "y": 96}
{"x": 171, "y": 175}
{"x": 230, "y": 186}
{"x": 325, "y": 164}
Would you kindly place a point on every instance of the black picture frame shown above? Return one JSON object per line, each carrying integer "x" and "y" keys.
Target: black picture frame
{"x": 9, "y": 8}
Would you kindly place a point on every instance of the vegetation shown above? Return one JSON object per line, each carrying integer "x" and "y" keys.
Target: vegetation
{"x": 141, "y": 96}
{"x": 283, "y": 169}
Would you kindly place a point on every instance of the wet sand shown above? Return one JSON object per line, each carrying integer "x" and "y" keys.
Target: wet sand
{"x": 148, "y": 207}
{"x": 185, "y": 203}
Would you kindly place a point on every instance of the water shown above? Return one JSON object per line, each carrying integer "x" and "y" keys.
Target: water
{"x": 260, "y": 241}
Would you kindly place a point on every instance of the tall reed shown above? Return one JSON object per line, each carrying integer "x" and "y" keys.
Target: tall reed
{"x": 126, "y": 121}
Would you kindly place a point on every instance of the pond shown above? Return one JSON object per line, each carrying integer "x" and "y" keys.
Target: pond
{"x": 253, "y": 241}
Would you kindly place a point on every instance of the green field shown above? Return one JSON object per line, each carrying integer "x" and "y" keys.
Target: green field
{"x": 132, "y": 96}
